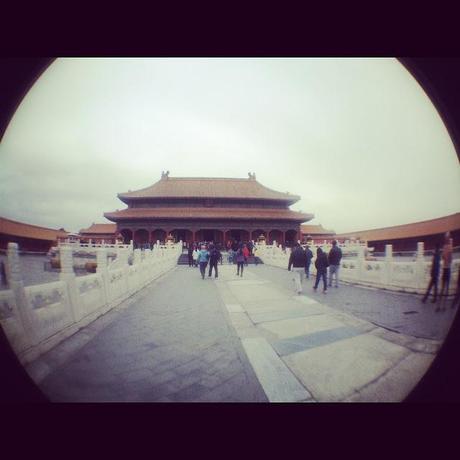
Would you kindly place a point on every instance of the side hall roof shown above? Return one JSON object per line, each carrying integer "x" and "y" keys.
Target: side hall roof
{"x": 103, "y": 229}
{"x": 22, "y": 230}
{"x": 424, "y": 228}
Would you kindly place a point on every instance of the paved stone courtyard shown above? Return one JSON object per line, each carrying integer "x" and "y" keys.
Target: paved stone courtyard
{"x": 248, "y": 339}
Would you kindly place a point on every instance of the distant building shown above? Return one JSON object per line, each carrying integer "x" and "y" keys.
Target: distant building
{"x": 405, "y": 237}
{"x": 316, "y": 233}
{"x": 29, "y": 237}
{"x": 98, "y": 233}
{"x": 208, "y": 209}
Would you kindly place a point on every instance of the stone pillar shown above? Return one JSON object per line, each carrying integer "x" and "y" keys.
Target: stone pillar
{"x": 137, "y": 256}
{"x": 68, "y": 276}
{"x": 360, "y": 263}
{"x": 420, "y": 282}
{"x": 16, "y": 284}
{"x": 388, "y": 264}
{"x": 102, "y": 269}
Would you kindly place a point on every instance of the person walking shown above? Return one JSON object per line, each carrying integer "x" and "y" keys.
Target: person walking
{"x": 308, "y": 258}
{"x": 321, "y": 265}
{"x": 435, "y": 265}
{"x": 190, "y": 255}
{"x": 297, "y": 261}
{"x": 239, "y": 261}
{"x": 214, "y": 257}
{"x": 456, "y": 301}
{"x": 195, "y": 256}
{"x": 334, "y": 257}
{"x": 203, "y": 256}
{"x": 446, "y": 263}
{"x": 254, "y": 253}
{"x": 246, "y": 254}
{"x": 230, "y": 256}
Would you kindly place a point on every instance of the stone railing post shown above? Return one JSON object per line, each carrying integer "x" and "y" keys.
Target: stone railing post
{"x": 387, "y": 272}
{"x": 420, "y": 266}
{"x": 68, "y": 276}
{"x": 360, "y": 262}
{"x": 16, "y": 284}
{"x": 137, "y": 256}
{"x": 102, "y": 269}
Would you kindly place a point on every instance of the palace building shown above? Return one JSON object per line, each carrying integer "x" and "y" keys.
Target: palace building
{"x": 29, "y": 237}
{"x": 208, "y": 209}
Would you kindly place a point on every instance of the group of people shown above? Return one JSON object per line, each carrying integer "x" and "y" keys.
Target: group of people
{"x": 203, "y": 253}
{"x": 208, "y": 252}
{"x": 300, "y": 261}
{"x": 444, "y": 256}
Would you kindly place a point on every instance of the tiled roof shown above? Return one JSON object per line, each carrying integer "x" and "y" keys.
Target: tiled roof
{"x": 103, "y": 229}
{"x": 207, "y": 213}
{"x": 315, "y": 230}
{"x": 20, "y": 229}
{"x": 425, "y": 228}
{"x": 201, "y": 187}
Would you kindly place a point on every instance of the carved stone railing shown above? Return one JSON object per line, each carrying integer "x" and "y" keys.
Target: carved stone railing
{"x": 36, "y": 318}
{"x": 387, "y": 273}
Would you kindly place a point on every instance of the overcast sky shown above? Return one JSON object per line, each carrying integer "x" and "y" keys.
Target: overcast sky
{"x": 357, "y": 139}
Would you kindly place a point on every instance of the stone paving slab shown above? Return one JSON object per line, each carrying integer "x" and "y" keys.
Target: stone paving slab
{"x": 250, "y": 282}
{"x": 295, "y": 327}
{"x": 316, "y": 339}
{"x": 279, "y": 315}
{"x": 234, "y": 308}
{"x": 252, "y": 294}
{"x": 335, "y": 371}
{"x": 306, "y": 300}
{"x": 277, "y": 381}
{"x": 171, "y": 344}
{"x": 397, "y": 383}
{"x": 282, "y": 305}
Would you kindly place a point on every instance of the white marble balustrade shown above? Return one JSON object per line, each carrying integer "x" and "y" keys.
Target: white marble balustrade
{"x": 387, "y": 273}
{"x": 36, "y": 318}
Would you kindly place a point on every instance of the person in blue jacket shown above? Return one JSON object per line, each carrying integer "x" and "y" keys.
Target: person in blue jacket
{"x": 203, "y": 257}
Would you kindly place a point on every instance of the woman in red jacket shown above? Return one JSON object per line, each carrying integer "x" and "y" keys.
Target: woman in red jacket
{"x": 245, "y": 254}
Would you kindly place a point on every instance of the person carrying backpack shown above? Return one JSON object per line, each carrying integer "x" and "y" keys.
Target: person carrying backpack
{"x": 297, "y": 261}
{"x": 214, "y": 257}
{"x": 334, "y": 257}
{"x": 239, "y": 261}
{"x": 321, "y": 265}
{"x": 203, "y": 256}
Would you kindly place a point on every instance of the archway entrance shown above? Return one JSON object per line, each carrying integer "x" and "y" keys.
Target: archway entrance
{"x": 127, "y": 235}
{"x": 182, "y": 234}
{"x": 291, "y": 237}
{"x": 158, "y": 234}
{"x": 256, "y": 233}
{"x": 210, "y": 234}
{"x": 141, "y": 237}
{"x": 276, "y": 235}
{"x": 239, "y": 235}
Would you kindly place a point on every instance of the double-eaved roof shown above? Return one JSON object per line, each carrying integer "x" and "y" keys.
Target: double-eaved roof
{"x": 205, "y": 187}
{"x": 256, "y": 202}
{"x": 207, "y": 213}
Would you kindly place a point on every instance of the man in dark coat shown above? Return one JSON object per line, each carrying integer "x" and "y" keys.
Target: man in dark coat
{"x": 297, "y": 261}
{"x": 321, "y": 265}
{"x": 435, "y": 266}
{"x": 309, "y": 256}
{"x": 214, "y": 257}
{"x": 334, "y": 257}
{"x": 190, "y": 255}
